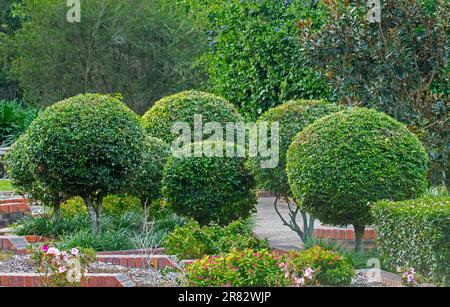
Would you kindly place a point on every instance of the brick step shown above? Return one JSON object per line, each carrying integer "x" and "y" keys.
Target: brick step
{"x": 14, "y": 200}
{"x": 137, "y": 261}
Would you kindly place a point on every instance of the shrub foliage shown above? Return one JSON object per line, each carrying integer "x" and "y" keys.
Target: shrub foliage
{"x": 217, "y": 189}
{"x": 415, "y": 233}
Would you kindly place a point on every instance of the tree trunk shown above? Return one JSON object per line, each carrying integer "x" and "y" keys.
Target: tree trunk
{"x": 359, "y": 236}
{"x": 57, "y": 211}
{"x": 93, "y": 215}
{"x": 144, "y": 202}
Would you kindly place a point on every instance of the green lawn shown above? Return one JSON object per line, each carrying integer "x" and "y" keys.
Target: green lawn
{"x": 6, "y": 186}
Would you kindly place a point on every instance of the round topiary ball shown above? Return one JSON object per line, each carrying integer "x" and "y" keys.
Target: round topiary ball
{"x": 292, "y": 117}
{"x": 147, "y": 182}
{"x": 341, "y": 163}
{"x": 182, "y": 107}
{"x": 209, "y": 189}
{"x": 87, "y": 145}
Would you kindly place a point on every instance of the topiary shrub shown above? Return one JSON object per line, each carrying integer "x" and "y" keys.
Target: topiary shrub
{"x": 292, "y": 117}
{"x": 182, "y": 107}
{"x": 20, "y": 170}
{"x": 86, "y": 146}
{"x": 209, "y": 189}
{"x": 415, "y": 234}
{"x": 147, "y": 182}
{"x": 343, "y": 162}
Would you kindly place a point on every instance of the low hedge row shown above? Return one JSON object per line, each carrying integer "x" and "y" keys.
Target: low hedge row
{"x": 415, "y": 233}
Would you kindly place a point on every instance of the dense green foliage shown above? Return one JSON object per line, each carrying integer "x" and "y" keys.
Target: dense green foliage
{"x": 15, "y": 118}
{"x": 85, "y": 146}
{"x": 255, "y": 59}
{"x": 19, "y": 169}
{"x": 343, "y": 162}
{"x": 147, "y": 183}
{"x": 399, "y": 66}
{"x": 183, "y": 107}
{"x": 292, "y": 116}
{"x": 415, "y": 233}
{"x": 192, "y": 241}
{"x": 112, "y": 204}
{"x": 10, "y": 22}
{"x": 330, "y": 268}
{"x": 142, "y": 49}
{"x": 209, "y": 189}
{"x": 247, "y": 268}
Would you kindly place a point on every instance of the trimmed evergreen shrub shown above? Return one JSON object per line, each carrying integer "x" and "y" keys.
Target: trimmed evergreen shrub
{"x": 182, "y": 107}
{"x": 209, "y": 189}
{"x": 292, "y": 116}
{"x": 343, "y": 162}
{"x": 87, "y": 146}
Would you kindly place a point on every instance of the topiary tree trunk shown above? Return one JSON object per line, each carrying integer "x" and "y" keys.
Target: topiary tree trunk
{"x": 305, "y": 234}
{"x": 94, "y": 208}
{"x": 359, "y": 236}
{"x": 144, "y": 203}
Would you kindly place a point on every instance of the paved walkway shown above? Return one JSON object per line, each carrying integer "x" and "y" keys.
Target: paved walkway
{"x": 269, "y": 225}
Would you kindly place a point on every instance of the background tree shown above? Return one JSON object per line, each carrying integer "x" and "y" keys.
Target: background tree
{"x": 254, "y": 57}
{"x": 142, "y": 49}
{"x": 398, "y": 66}
{"x": 10, "y": 22}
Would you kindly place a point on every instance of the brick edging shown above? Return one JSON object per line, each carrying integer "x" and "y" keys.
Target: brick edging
{"x": 93, "y": 280}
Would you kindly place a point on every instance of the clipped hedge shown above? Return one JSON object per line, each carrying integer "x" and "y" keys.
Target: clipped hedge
{"x": 182, "y": 107}
{"x": 292, "y": 116}
{"x": 216, "y": 189}
{"x": 415, "y": 233}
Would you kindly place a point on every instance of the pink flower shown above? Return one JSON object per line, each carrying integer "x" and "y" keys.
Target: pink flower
{"x": 74, "y": 251}
{"x": 62, "y": 269}
{"x": 44, "y": 248}
{"x": 53, "y": 251}
{"x": 308, "y": 273}
{"x": 199, "y": 277}
{"x": 255, "y": 254}
{"x": 299, "y": 282}
{"x": 228, "y": 285}
{"x": 65, "y": 256}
